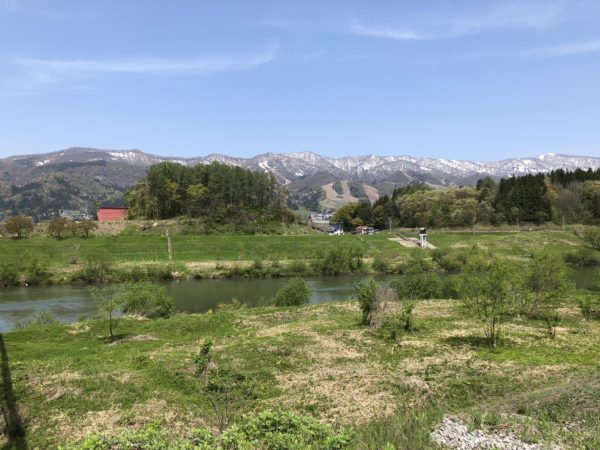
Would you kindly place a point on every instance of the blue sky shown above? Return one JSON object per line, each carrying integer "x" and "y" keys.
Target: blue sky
{"x": 481, "y": 80}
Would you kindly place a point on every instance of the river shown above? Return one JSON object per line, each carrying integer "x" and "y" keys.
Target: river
{"x": 69, "y": 303}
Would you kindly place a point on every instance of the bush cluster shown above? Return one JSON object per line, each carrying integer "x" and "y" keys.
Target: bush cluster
{"x": 266, "y": 430}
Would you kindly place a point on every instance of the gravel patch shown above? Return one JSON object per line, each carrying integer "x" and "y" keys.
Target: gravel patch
{"x": 455, "y": 435}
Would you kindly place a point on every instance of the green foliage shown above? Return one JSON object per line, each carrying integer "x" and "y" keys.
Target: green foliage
{"x": 366, "y": 292}
{"x": 421, "y": 285}
{"x": 276, "y": 430}
{"x": 221, "y": 193}
{"x": 19, "y": 225}
{"x": 203, "y": 358}
{"x": 547, "y": 282}
{"x": 57, "y": 226}
{"x": 489, "y": 291}
{"x": 97, "y": 268}
{"x": 583, "y": 257}
{"x": 339, "y": 260}
{"x": 591, "y": 237}
{"x": 400, "y": 322}
{"x": 590, "y": 306}
{"x": 108, "y": 305}
{"x": 380, "y": 265}
{"x": 295, "y": 293}
{"x": 87, "y": 226}
{"x": 337, "y": 187}
{"x": 417, "y": 262}
{"x": 9, "y": 274}
{"x": 146, "y": 299}
{"x": 229, "y": 393}
{"x": 36, "y": 272}
{"x": 41, "y": 318}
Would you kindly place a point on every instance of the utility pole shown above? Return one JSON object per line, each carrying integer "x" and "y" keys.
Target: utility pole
{"x": 169, "y": 246}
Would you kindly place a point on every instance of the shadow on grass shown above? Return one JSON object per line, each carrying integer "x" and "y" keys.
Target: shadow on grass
{"x": 475, "y": 342}
{"x": 14, "y": 427}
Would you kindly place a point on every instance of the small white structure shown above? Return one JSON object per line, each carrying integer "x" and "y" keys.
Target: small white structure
{"x": 423, "y": 237}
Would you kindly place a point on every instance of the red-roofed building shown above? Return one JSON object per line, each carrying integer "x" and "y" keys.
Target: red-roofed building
{"x": 111, "y": 214}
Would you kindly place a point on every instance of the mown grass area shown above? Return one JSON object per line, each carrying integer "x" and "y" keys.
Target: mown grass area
{"x": 319, "y": 361}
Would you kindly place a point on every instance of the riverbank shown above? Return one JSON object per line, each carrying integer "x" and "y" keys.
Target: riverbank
{"x": 319, "y": 361}
{"x": 129, "y": 257}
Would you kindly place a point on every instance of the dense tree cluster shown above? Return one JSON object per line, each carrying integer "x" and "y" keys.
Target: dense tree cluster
{"x": 560, "y": 196}
{"x": 219, "y": 192}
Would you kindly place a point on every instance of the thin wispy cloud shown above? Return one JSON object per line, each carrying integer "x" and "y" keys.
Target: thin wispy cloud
{"x": 575, "y": 48}
{"x": 36, "y": 74}
{"x": 512, "y": 16}
{"x": 148, "y": 65}
{"x": 386, "y": 32}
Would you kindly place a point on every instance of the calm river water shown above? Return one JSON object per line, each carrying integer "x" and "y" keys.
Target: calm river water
{"x": 69, "y": 303}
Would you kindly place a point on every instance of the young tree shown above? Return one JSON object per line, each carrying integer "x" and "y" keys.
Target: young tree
{"x": 227, "y": 391}
{"x": 19, "y": 225}
{"x": 109, "y": 306}
{"x": 547, "y": 281}
{"x": 366, "y": 293}
{"x": 87, "y": 226}
{"x": 489, "y": 292}
{"x": 57, "y": 226}
{"x": 72, "y": 227}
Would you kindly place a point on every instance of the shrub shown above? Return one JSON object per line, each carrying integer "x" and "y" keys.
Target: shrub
{"x": 420, "y": 285}
{"x": 9, "y": 274}
{"x": 396, "y": 324}
{"x": 266, "y": 430}
{"x": 42, "y": 318}
{"x": 417, "y": 263}
{"x": 366, "y": 297}
{"x": 450, "y": 287}
{"x": 295, "y": 293}
{"x": 146, "y": 299}
{"x": 583, "y": 257}
{"x": 340, "y": 260}
{"x": 591, "y": 237}
{"x": 97, "y": 268}
{"x": 374, "y": 300}
{"x": 36, "y": 272}
{"x": 298, "y": 268}
{"x": 380, "y": 265}
{"x": 589, "y": 304}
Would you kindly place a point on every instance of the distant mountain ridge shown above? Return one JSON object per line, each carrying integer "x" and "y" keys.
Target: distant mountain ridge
{"x": 77, "y": 176}
{"x": 290, "y": 166}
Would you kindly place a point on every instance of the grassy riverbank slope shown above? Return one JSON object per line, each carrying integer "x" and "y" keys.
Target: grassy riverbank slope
{"x": 320, "y": 361}
{"x": 220, "y": 255}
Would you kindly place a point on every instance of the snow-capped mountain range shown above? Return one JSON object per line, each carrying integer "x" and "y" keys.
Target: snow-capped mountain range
{"x": 75, "y": 178}
{"x": 291, "y": 167}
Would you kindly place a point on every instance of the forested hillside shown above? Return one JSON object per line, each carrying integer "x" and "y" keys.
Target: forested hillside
{"x": 561, "y": 197}
{"x": 215, "y": 192}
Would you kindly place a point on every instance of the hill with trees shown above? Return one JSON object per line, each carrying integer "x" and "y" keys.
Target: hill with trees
{"x": 561, "y": 197}
{"x": 215, "y": 192}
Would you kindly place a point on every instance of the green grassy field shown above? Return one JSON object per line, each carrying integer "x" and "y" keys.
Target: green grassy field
{"x": 127, "y": 248}
{"x": 316, "y": 360}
